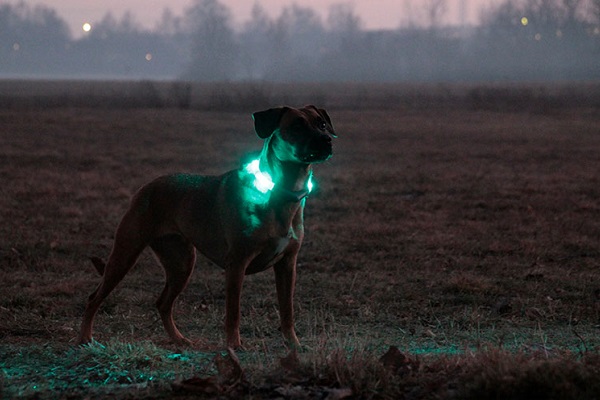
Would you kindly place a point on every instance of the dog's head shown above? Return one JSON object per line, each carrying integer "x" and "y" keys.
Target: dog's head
{"x": 296, "y": 135}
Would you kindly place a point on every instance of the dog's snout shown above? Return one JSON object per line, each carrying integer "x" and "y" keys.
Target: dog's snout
{"x": 318, "y": 148}
{"x": 322, "y": 140}
{"x": 323, "y": 137}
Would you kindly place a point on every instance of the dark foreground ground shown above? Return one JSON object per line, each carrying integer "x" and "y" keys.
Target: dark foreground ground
{"x": 465, "y": 235}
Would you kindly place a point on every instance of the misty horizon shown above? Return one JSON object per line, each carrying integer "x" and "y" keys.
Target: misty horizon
{"x": 517, "y": 40}
{"x": 386, "y": 14}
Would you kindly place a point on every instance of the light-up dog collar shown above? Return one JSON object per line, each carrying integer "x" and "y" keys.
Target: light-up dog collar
{"x": 264, "y": 183}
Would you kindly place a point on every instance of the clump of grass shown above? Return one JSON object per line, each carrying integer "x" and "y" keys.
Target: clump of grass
{"x": 335, "y": 369}
{"x": 486, "y": 374}
{"x": 360, "y": 370}
{"x": 118, "y": 362}
{"x": 497, "y": 374}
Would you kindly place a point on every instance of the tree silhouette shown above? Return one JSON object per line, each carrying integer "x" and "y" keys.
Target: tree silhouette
{"x": 256, "y": 46}
{"x": 30, "y": 36}
{"x": 595, "y": 11}
{"x": 213, "y": 44}
{"x": 517, "y": 40}
{"x": 169, "y": 24}
{"x": 435, "y": 11}
{"x": 343, "y": 19}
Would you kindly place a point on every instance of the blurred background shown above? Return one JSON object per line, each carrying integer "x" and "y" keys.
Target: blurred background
{"x": 208, "y": 41}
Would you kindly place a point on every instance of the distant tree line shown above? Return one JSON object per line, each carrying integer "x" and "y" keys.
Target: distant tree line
{"x": 517, "y": 40}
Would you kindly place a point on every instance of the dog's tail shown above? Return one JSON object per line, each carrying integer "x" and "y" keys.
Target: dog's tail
{"x": 98, "y": 264}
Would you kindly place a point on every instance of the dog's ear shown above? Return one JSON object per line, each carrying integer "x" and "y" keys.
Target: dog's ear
{"x": 265, "y": 122}
{"x": 325, "y": 116}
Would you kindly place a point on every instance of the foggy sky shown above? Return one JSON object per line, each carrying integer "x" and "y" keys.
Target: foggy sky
{"x": 375, "y": 14}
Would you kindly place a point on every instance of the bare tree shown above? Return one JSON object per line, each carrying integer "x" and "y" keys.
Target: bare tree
{"x": 572, "y": 8}
{"x": 125, "y": 25}
{"x": 343, "y": 19}
{"x": 259, "y": 20}
{"x": 304, "y": 31}
{"x": 436, "y": 11}
{"x": 595, "y": 10}
{"x": 214, "y": 48}
{"x": 32, "y": 38}
{"x": 256, "y": 44}
{"x": 408, "y": 16}
{"x": 169, "y": 24}
{"x": 344, "y": 27}
{"x": 303, "y": 21}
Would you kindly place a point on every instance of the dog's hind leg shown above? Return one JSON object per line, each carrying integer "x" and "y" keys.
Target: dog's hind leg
{"x": 177, "y": 256}
{"x": 130, "y": 239}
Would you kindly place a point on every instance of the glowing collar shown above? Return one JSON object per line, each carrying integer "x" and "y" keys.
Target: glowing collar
{"x": 264, "y": 183}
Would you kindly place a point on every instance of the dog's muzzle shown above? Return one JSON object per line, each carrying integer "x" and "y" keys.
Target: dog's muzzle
{"x": 318, "y": 150}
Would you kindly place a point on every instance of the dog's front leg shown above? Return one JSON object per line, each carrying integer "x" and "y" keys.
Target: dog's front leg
{"x": 234, "y": 279}
{"x": 285, "y": 280}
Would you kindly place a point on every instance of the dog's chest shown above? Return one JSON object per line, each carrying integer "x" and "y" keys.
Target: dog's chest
{"x": 275, "y": 252}
{"x": 272, "y": 252}
{"x": 281, "y": 244}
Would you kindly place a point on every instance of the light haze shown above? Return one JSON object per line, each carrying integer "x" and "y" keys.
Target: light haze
{"x": 375, "y": 14}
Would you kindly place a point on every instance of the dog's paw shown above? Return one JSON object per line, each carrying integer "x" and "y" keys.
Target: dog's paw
{"x": 234, "y": 341}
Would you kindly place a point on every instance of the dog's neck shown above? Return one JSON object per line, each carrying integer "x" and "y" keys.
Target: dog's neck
{"x": 291, "y": 177}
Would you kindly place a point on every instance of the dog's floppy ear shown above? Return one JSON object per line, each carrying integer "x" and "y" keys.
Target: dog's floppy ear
{"x": 265, "y": 122}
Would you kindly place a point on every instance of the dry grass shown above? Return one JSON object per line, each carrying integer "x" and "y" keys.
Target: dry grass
{"x": 468, "y": 238}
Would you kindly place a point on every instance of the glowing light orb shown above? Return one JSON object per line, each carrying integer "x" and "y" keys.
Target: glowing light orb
{"x": 148, "y": 56}
{"x": 262, "y": 180}
{"x": 538, "y": 36}
{"x": 524, "y": 21}
{"x": 86, "y": 27}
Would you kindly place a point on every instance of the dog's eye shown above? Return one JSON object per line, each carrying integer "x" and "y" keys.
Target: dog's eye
{"x": 322, "y": 125}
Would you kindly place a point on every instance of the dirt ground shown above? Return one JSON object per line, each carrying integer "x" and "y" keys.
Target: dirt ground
{"x": 452, "y": 233}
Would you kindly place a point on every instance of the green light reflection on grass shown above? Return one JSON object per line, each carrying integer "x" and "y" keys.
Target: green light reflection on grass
{"x": 426, "y": 350}
{"x": 43, "y": 372}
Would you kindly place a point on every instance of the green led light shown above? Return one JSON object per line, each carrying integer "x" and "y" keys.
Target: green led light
{"x": 262, "y": 180}
{"x": 264, "y": 183}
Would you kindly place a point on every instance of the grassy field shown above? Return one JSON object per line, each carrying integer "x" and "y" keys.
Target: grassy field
{"x": 460, "y": 239}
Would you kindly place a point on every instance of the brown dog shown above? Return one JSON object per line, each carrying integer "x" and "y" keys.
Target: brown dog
{"x": 246, "y": 220}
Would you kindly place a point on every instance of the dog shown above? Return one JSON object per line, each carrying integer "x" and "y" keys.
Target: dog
{"x": 246, "y": 221}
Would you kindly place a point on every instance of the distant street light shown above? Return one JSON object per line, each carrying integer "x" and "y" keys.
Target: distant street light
{"x": 86, "y": 27}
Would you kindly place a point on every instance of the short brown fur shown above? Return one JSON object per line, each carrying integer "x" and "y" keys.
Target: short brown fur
{"x": 175, "y": 215}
